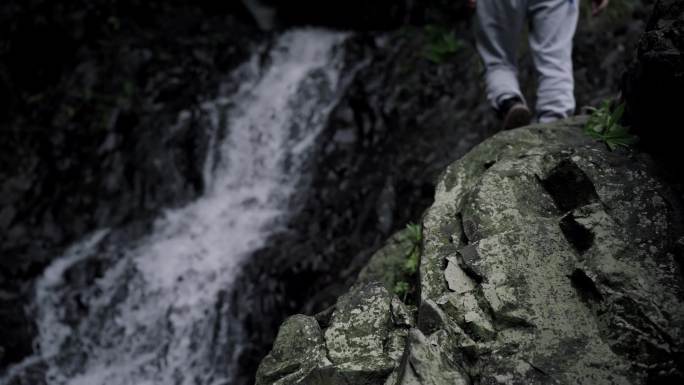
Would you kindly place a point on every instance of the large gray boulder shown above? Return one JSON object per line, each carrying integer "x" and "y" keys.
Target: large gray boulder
{"x": 362, "y": 343}
{"x": 546, "y": 259}
{"x": 559, "y": 259}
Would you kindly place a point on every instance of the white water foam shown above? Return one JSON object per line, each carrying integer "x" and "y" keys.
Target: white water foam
{"x": 151, "y": 317}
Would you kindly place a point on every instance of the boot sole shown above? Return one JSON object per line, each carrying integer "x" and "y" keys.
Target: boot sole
{"x": 518, "y": 116}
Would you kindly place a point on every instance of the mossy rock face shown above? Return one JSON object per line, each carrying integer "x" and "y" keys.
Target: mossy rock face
{"x": 395, "y": 265}
{"x": 387, "y": 264}
{"x": 297, "y": 351}
{"x": 546, "y": 258}
{"x": 558, "y": 258}
{"x": 427, "y": 362}
{"x": 359, "y": 327}
{"x": 362, "y": 344}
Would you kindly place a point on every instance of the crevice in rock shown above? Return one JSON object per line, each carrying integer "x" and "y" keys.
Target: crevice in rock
{"x": 431, "y": 318}
{"x": 325, "y": 346}
{"x": 284, "y": 371}
{"x": 585, "y": 286}
{"x": 468, "y": 261}
{"x": 463, "y": 237}
{"x": 536, "y": 368}
{"x": 579, "y": 237}
{"x": 445, "y": 263}
{"x": 509, "y": 322}
{"x": 323, "y": 318}
{"x": 489, "y": 164}
{"x": 569, "y": 186}
{"x": 413, "y": 369}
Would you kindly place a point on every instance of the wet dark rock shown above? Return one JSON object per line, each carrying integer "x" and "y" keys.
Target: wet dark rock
{"x": 652, "y": 87}
{"x": 365, "y": 15}
{"x": 90, "y": 93}
{"x": 615, "y": 35}
{"x": 654, "y": 81}
{"x": 14, "y": 319}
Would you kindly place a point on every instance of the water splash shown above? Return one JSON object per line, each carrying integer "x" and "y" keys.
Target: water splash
{"x": 153, "y": 316}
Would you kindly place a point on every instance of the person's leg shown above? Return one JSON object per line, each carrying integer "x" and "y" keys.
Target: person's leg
{"x": 553, "y": 25}
{"x": 499, "y": 23}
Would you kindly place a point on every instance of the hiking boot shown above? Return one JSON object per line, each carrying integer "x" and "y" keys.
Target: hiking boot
{"x": 515, "y": 113}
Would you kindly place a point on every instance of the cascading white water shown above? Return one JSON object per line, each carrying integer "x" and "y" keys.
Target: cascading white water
{"x": 151, "y": 317}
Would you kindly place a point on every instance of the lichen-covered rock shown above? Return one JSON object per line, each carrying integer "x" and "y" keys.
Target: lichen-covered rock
{"x": 297, "y": 351}
{"x": 359, "y": 327}
{"x": 362, "y": 344}
{"x": 427, "y": 363}
{"x": 386, "y": 264}
{"x": 557, "y": 257}
{"x": 546, "y": 259}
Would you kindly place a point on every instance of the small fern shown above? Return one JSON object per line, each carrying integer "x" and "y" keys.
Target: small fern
{"x": 403, "y": 287}
{"x": 604, "y": 125}
{"x": 415, "y": 234}
{"x": 442, "y": 44}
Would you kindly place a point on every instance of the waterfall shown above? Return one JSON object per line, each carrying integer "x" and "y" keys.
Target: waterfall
{"x": 153, "y": 314}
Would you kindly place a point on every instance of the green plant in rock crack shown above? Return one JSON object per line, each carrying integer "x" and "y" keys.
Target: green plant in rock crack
{"x": 442, "y": 44}
{"x": 405, "y": 286}
{"x": 604, "y": 125}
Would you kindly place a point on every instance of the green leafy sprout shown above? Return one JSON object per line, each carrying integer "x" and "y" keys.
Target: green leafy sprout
{"x": 414, "y": 235}
{"x": 604, "y": 125}
{"x": 442, "y": 44}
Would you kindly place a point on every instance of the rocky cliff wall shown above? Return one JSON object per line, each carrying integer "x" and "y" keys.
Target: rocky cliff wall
{"x": 653, "y": 84}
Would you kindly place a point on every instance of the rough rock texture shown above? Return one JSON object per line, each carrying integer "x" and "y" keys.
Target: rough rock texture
{"x": 653, "y": 85}
{"x": 297, "y": 351}
{"x": 559, "y": 259}
{"x": 426, "y": 362}
{"x": 546, "y": 259}
{"x": 363, "y": 341}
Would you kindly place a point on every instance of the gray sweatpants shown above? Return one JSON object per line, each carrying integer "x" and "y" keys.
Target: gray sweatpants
{"x": 552, "y": 27}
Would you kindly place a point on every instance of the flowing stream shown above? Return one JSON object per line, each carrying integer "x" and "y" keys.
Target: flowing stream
{"x": 153, "y": 314}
